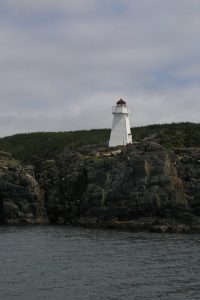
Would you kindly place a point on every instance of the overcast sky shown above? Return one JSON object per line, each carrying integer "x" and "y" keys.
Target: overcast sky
{"x": 64, "y": 63}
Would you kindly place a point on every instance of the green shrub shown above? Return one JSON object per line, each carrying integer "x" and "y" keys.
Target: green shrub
{"x": 48, "y": 144}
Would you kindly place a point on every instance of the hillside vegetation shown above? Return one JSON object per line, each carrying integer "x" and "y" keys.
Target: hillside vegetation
{"x": 48, "y": 144}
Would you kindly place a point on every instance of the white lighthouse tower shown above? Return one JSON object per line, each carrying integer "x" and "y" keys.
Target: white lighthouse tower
{"x": 121, "y": 132}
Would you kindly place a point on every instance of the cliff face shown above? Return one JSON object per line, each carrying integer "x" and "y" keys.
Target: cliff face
{"x": 21, "y": 199}
{"x": 188, "y": 167}
{"x": 141, "y": 187}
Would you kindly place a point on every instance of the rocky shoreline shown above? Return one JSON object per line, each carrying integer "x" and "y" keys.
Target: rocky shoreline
{"x": 139, "y": 187}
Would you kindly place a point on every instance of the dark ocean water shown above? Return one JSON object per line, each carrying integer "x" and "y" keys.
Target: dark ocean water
{"x": 73, "y": 263}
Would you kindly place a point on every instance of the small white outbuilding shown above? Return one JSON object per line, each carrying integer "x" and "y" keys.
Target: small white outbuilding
{"x": 121, "y": 132}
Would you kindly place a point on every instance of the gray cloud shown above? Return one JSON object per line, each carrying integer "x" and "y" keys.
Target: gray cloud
{"x": 63, "y": 64}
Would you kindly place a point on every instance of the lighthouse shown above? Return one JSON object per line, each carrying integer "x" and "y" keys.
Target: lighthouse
{"x": 121, "y": 132}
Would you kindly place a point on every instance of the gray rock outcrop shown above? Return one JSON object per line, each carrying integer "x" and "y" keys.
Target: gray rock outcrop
{"x": 140, "y": 187}
{"x": 21, "y": 199}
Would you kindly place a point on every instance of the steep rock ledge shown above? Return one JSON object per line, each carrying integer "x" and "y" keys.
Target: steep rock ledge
{"x": 140, "y": 187}
{"x": 21, "y": 200}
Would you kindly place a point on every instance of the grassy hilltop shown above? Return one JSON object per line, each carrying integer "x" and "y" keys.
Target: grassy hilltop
{"x": 48, "y": 144}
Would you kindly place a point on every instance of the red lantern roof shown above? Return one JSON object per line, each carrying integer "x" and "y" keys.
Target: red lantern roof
{"x": 121, "y": 102}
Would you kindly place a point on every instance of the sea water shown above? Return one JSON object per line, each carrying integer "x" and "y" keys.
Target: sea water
{"x": 51, "y": 262}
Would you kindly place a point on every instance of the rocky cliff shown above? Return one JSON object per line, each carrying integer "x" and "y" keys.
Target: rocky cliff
{"x": 21, "y": 199}
{"x": 140, "y": 187}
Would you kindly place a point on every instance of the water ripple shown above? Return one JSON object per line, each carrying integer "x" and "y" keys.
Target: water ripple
{"x": 72, "y": 263}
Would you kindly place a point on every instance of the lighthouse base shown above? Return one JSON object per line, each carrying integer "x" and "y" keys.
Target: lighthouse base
{"x": 120, "y": 133}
